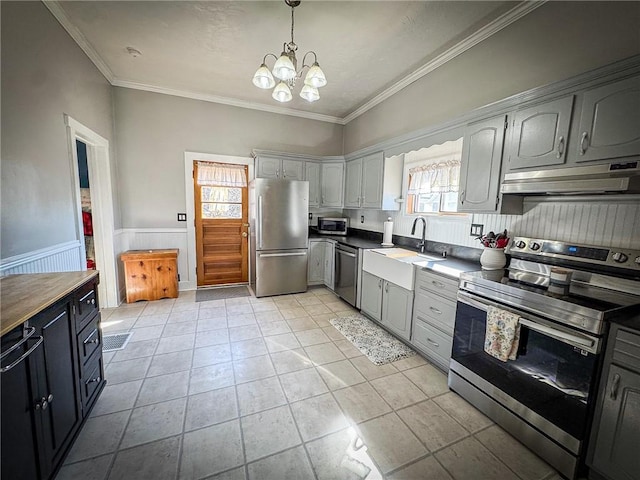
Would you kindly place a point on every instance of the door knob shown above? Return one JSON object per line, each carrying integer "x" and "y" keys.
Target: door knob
{"x": 245, "y": 234}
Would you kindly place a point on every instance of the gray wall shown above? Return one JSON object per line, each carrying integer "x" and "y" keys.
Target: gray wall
{"x": 155, "y": 130}
{"x": 44, "y": 75}
{"x": 556, "y": 41}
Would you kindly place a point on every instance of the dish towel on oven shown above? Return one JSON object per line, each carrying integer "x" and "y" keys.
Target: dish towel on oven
{"x": 503, "y": 334}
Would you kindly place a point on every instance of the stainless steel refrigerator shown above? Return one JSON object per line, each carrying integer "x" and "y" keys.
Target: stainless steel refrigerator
{"x": 279, "y": 234}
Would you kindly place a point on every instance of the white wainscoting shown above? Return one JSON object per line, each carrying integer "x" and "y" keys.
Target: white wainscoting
{"x": 64, "y": 257}
{"x": 613, "y": 222}
{"x": 157, "y": 238}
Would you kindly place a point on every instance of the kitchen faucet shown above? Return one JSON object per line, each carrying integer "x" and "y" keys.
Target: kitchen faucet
{"x": 424, "y": 231}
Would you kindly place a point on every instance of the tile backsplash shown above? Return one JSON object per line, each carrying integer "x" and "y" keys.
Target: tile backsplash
{"x": 611, "y": 222}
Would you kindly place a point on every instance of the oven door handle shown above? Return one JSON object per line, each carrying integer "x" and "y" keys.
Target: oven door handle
{"x": 575, "y": 340}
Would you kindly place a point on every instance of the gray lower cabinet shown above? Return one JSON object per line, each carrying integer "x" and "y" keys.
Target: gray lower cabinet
{"x": 387, "y": 303}
{"x": 615, "y": 435}
{"x": 609, "y": 125}
{"x": 315, "y": 265}
{"x": 371, "y": 300}
{"x": 434, "y": 311}
{"x": 329, "y": 252}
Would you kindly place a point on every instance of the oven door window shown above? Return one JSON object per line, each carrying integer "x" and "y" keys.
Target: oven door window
{"x": 550, "y": 377}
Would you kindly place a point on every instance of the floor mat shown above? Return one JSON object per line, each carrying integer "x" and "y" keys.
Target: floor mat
{"x": 116, "y": 341}
{"x": 220, "y": 293}
{"x": 379, "y": 346}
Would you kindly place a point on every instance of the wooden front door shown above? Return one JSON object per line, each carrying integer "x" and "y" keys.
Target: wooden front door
{"x": 221, "y": 233}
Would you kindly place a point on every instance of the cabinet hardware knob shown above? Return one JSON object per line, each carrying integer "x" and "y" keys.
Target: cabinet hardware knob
{"x": 50, "y": 398}
{"x": 94, "y": 380}
{"x": 583, "y": 139}
{"x": 614, "y": 386}
{"x": 42, "y": 404}
{"x": 560, "y": 147}
{"x": 95, "y": 340}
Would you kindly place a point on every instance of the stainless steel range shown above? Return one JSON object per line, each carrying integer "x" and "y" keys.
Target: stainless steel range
{"x": 564, "y": 295}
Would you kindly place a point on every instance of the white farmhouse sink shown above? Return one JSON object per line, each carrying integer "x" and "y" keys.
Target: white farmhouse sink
{"x": 395, "y": 264}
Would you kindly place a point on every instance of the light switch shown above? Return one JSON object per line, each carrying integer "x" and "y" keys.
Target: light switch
{"x": 182, "y": 217}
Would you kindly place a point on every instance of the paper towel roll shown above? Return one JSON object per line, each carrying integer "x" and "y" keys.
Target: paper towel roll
{"x": 387, "y": 234}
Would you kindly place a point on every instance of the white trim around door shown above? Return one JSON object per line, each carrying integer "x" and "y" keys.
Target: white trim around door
{"x": 189, "y": 157}
{"x": 99, "y": 164}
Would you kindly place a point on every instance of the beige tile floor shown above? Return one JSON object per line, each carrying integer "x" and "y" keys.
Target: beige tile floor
{"x": 267, "y": 389}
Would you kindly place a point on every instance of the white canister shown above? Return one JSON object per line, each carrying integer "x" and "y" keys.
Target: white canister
{"x": 493, "y": 259}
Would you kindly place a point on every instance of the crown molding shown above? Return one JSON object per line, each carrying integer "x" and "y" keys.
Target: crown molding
{"x": 226, "y": 101}
{"x": 58, "y": 12}
{"x": 485, "y": 32}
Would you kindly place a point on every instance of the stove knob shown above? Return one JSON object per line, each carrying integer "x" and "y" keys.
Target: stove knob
{"x": 620, "y": 257}
{"x": 521, "y": 244}
{"x": 534, "y": 246}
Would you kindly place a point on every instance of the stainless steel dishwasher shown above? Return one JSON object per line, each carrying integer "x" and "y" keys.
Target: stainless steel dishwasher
{"x": 346, "y": 272}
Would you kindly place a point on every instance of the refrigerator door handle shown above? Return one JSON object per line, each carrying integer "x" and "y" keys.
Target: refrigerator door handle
{"x": 295, "y": 254}
{"x": 259, "y": 221}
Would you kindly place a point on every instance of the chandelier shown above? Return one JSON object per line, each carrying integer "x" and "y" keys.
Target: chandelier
{"x": 286, "y": 71}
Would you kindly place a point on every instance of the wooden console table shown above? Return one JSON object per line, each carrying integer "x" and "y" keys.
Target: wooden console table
{"x": 150, "y": 274}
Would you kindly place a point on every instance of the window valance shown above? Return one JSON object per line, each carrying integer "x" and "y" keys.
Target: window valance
{"x": 440, "y": 177}
{"x": 221, "y": 174}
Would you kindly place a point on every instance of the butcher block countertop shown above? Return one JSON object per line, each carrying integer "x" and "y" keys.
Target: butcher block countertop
{"x": 23, "y": 296}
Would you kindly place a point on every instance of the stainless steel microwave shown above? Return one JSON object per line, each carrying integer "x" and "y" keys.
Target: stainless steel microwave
{"x": 333, "y": 226}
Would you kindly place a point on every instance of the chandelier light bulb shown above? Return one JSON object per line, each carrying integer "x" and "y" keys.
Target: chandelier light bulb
{"x": 309, "y": 93}
{"x": 263, "y": 78}
{"x": 315, "y": 76}
{"x": 282, "y": 93}
{"x": 284, "y": 69}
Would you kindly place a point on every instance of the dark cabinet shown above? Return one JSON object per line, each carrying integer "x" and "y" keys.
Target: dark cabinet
{"x": 18, "y": 433}
{"x": 50, "y": 381}
{"x": 616, "y": 428}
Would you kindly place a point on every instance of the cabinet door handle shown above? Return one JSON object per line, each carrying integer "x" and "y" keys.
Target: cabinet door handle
{"x": 435, "y": 310}
{"x": 583, "y": 140}
{"x": 462, "y": 196}
{"x": 25, "y": 354}
{"x": 435, "y": 344}
{"x": 613, "y": 393}
{"x": 560, "y": 147}
{"x": 380, "y": 283}
{"x": 284, "y": 173}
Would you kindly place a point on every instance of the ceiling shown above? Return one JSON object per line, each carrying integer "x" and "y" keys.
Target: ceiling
{"x": 210, "y": 50}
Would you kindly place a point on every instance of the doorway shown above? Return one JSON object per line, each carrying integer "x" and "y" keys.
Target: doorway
{"x": 101, "y": 198}
{"x": 85, "y": 203}
{"x": 221, "y": 223}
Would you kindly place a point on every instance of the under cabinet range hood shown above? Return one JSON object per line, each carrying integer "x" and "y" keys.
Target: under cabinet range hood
{"x": 622, "y": 177}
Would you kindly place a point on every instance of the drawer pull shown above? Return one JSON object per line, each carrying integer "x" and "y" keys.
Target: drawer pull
{"x": 435, "y": 310}
{"x": 435, "y": 344}
{"x": 438, "y": 284}
{"x": 95, "y": 340}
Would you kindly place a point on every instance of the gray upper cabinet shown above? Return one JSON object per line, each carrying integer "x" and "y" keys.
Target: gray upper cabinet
{"x": 312, "y": 175}
{"x": 269, "y": 167}
{"x": 332, "y": 182}
{"x": 609, "y": 124}
{"x": 373, "y": 182}
{"x": 480, "y": 165}
{"x": 540, "y": 134}
{"x": 353, "y": 184}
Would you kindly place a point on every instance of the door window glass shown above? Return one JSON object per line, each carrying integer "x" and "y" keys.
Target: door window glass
{"x": 221, "y": 202}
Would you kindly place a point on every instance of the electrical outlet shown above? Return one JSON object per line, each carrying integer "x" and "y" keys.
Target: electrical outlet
{"x": 476, "y": 229}
{"x": 182, "y": 217}
{"x": 361, "y": 218}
